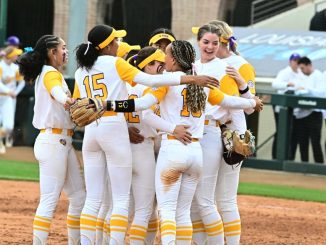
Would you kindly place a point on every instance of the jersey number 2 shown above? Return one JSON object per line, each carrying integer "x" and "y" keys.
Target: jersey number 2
{"x": 96, "y": 85}
{"x": 129, "y": 115}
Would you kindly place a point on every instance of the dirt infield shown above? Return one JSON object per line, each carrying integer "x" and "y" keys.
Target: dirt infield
{"x": 265, "y": 220}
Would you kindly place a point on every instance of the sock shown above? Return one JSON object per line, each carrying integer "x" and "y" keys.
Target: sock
{"x": 199, "y": 235}
{"x": 88, "y": 228}
{"x": 99, "y": 230}
{"x": 137, "y": 233}
{"x": 214, "y": 229}
{"x": 118, "y": 228}
{"x": 168, "y": 232}
{"x": 73, "y": 225}
{"x": 184, "y": 235}
{"x": 41, "y": 229}
{"x": 151, "y": 231}
{"x": 232, "y": 227}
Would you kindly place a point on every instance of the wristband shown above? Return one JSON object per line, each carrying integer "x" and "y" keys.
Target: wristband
{"x": 121, "y": 105}
{"x": 244, "y": 91}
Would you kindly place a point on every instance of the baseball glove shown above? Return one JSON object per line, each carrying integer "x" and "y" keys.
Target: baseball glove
{"x": 237, "y": 147}
{"x": 85, "y": 111}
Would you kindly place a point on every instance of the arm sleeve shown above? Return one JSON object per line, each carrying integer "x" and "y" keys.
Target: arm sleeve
{"x": 145, "y": 102}
{"x": 155, "y": 121}
{"x": 216, "y": 97}
{"x": 237, "y": 102}
{"x": 20, "y": 87}
{"x": 53, "y": 84}
{"x": 168, "y": 79}
{"x": 59, "y": 95}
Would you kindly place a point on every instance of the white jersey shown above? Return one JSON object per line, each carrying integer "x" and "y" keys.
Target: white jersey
{"x": 216, "y": 68}
{"x": 247, "y": 72}
{"x": 49, "y": 113}
{"x": 135, "y": 118}
{"x": 245, "y": 69}
{"x": 10, "y": 75}
{"x": 174, "y": 109}
{"x": 106, "y": 79}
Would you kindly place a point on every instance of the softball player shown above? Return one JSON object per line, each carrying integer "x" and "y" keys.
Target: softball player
{"x": 179, "y": 165}
{"x": 102, "y": 75}
{"x": 58, "y": 163}
{"x": 143, "y": 231}
{"x": 160, "y": 38}
{"x": 228, "y": 177}
{"x": 204, "y": 214}
{"x": 14, "y": 82}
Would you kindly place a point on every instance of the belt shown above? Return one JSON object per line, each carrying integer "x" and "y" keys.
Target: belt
{"x": 109, "y": 114}
{"x": 215, "y": 123}
{"x": 171, "y": 137}
{"x": 68, "y": 132}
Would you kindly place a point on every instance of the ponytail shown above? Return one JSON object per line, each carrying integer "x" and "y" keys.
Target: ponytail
{"x": 86, "y": 55}
{"x": 31, "y": 63}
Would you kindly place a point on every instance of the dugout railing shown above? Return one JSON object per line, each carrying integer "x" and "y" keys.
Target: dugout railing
{"x": 287, "y": 103}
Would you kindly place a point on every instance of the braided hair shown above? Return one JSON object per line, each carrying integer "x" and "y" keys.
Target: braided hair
{"x": 31, "y": 63}
{"x": 185, "y": 55}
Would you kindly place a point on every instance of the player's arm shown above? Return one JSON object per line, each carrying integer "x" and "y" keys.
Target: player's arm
{"x": 217, "y": 97}
{"x": 138, "y": 104}
{"x": 53, "y": 84}
{"x": 132, "y": 75}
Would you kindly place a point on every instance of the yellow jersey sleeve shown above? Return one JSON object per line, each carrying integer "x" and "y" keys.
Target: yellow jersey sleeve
{"x": 52, "y": 79}
{"x": 248, "y": 73}
{"x": 18, "y": 76}
{"x": 159, "y": 93}
{"x": 126, "y": 71}
{"x": 229, "y": 86}
{"x": 76, "y": 93}
{"x": 0, "y": 73}
{"x": 215, "y": 96}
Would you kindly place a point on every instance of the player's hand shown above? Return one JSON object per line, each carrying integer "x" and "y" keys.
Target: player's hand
{"x": 180, "y": 133}
{"x": 68, "y": 103}
{"x": 290, "y": 84}
{"x": 134, "y": 135}
{"x": 259, "y": 104}
{"x": 232, "y": 72}
{"x": 205, "y": 81}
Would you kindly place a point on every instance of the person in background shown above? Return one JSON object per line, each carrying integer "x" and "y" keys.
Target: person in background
{"x": 11, "y": 82}
{"x": 310, "y": 120}
{"x": 13, "y": 41}
{"x": 285, "y": 82}
{"x": 161, "y": 38}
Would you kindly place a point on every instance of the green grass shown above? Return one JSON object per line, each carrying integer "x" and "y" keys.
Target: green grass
{"x": 281, "y": 191}
{"x": 19, "y": 170}
{"x": 14, "y": 170}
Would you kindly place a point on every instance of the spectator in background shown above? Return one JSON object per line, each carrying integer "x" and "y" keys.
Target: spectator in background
{"x": 310, "y": 120}
{"x": 285, "y": 82}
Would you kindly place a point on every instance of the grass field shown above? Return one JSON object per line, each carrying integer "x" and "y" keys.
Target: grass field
{"x": 14, "y": 170}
